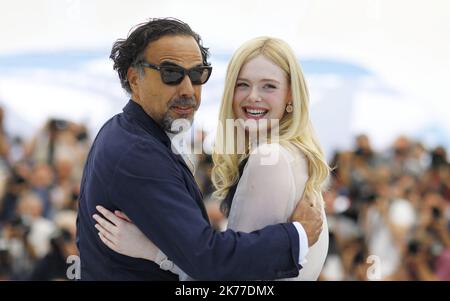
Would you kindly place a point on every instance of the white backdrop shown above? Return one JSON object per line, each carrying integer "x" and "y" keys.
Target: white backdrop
{"x": 374, "y": 66}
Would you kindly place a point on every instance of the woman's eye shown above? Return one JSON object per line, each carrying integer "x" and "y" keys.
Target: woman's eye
{"x": 241, "y": 85}
{"x": 270, "y": 86}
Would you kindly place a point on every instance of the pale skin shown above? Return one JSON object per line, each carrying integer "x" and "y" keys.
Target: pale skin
{"x": 122, "y": 236}
{"x": 261, "y": 85}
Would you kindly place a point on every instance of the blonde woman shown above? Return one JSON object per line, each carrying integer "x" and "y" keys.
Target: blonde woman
{"x": 261, "y": 173}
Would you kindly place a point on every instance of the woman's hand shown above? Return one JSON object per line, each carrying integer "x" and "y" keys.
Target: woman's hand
{"x": 119, "y": 233}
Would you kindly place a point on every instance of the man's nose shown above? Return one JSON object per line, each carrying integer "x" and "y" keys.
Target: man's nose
{"x": 186, "y": 89}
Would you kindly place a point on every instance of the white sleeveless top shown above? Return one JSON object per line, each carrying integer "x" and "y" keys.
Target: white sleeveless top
{"x": 272, "y": 183}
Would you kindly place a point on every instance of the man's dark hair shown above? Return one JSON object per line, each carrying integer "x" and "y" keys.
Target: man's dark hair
{"x": 130, "y": 51}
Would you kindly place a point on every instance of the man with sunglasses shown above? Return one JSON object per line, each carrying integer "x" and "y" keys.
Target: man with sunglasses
{"x": 131, "y": 167}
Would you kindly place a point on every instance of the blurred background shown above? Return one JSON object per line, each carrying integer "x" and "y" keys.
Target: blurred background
{"x": 377, "y": 72}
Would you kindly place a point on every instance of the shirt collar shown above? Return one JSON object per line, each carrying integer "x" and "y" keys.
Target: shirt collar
{"x": 134, "y": 110}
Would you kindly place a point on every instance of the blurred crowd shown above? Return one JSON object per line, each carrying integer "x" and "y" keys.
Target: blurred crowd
{"x": 39, "y": 188}
{"x": 388, "y": 212}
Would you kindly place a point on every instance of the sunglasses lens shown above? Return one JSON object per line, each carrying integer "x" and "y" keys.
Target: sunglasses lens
{"x": 172, "y": 75}
{"x": 199, "y": 76}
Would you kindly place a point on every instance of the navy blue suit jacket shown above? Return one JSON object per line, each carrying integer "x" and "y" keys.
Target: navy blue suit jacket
{"x": 132, "y": 168}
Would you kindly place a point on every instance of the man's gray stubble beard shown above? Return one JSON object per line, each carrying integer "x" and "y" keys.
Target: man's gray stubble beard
{"x": 167, "y": 121}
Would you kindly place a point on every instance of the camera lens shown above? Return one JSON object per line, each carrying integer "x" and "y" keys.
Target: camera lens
{"x": 413, "y": 247}
{"x": 436, "y": 212}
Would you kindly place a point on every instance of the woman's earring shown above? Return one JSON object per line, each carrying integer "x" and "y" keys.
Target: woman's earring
{"x": 289, "y": 108}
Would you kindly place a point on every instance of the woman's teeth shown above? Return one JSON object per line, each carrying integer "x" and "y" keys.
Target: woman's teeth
{"x": 256, "y": 112}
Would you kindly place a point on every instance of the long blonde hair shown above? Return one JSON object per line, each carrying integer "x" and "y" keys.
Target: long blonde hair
{"x": 294, "y": 128}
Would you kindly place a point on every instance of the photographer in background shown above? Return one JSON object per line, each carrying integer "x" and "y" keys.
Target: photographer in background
{"x": 16, "y": 184}
{"x": 418, "y": 260}
{"x": 434, "y": 244}
{"x": 18, "y": 254}
{"x": 42, "y": 147}
{"x": 53, "y": 266}
{"x": 40, "y": 183}
{"x": 4, "y": 143}
{"x": 58, "y": 153}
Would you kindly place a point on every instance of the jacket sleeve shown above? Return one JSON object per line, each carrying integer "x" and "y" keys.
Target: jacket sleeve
{"x": 149, "y": 187}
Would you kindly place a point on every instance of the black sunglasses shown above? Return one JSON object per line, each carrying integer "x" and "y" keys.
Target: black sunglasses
{"x": 173, "y": 74}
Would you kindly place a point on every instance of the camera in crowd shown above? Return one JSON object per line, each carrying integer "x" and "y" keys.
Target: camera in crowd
{"x": 438, "y": 158}
{"x": 414, "y": 247}
{"x": 20, "y": 226}
{"x": 436, "y": 213}
{"x": 58, "y": 124}
{"x": 59, "y": 238}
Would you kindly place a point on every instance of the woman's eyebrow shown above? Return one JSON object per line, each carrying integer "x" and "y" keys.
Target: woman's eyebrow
{"x": 270, "y": 80}
{"x": 260, "y": 80}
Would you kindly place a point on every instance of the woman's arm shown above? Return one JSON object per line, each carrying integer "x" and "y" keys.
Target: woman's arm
{"x": 119, "y": 233}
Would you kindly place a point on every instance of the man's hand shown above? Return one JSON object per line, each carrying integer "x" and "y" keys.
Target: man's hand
{"x": 310, "y": 217}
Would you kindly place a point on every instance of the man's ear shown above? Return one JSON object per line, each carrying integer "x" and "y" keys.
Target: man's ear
{"x": 133, "y": 76}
